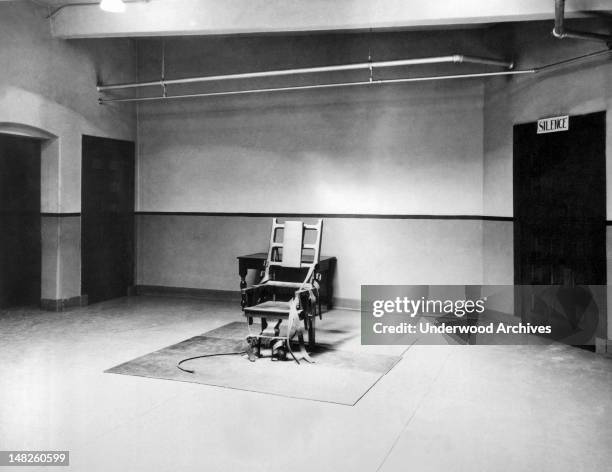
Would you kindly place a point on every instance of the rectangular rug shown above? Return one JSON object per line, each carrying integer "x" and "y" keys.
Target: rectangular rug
{"x": 336, "y": 376}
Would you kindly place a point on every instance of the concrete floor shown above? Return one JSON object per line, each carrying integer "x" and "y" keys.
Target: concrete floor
{"x": 442, "y": 408}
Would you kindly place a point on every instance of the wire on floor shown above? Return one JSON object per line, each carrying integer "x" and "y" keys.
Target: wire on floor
{"x": 190, "y": 371}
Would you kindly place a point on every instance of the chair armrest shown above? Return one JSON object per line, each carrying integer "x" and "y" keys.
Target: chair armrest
{"x": 303, "y": 297}
{"x": 252, "y": 288}
{"x": 250, "y": 295}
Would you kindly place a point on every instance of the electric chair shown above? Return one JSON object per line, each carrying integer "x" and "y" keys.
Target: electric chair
{"x": 286, "y": 300}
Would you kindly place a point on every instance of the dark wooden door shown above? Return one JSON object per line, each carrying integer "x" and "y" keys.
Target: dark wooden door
{"x": 560, "y": 228}
{"x": 20, "y": 239}
{"x": 560, "y": 203}
{"x": 107, "y": 232}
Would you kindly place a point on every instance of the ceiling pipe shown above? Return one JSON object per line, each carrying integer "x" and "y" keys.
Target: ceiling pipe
{"x": 320, "y": 86}
{"x": 545, "y": 68}
{"x": 559, "y": 31}
{"x": 455, "y": 58}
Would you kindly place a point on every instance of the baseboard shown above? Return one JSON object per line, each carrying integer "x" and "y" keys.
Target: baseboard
{"x": 61, "y": 304}
{"x": 186, "y": 292}
{"x": 347, "y": 303}
{"x": 600, "y": 346}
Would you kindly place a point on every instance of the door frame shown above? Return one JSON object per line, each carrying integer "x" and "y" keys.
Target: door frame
{"x": 519, "y": 296}
{"x": 131, "y": 288}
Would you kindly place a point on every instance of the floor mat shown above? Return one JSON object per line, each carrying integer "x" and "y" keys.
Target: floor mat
{"x": 337, "y": 376}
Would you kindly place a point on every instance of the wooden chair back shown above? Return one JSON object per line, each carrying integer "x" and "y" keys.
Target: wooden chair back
{"x": 292, "y": 251}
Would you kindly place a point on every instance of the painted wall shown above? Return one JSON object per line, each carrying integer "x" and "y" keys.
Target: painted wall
{"x": 420, "y": 143}
{"x": 392, "y": 150}
{"x": 49, "y": 84}
{"x": 200, "y": 251}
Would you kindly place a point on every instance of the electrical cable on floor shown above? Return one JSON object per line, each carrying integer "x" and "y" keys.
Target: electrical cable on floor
{"x": 207, "y": 355}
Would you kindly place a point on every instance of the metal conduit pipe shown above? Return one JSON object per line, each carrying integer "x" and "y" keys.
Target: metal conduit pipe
{"x": 540, "y": 69}
{"x": 544, "y": 68}
{"x": 319, "y": 86}
{"x": 559, "y": 31}
{"x": 455, "y": 58}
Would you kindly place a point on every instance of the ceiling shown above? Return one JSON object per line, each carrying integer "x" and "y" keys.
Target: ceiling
{"x": 205, "y": 17}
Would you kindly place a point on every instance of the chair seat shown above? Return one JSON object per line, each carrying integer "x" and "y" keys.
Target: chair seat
{"x": 280, "y": 283}
{"x": 277, "y": 309}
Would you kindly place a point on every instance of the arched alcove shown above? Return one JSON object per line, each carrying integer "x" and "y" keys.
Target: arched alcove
{"x": 20, "y": 129}
{"x": 49, "y": 202}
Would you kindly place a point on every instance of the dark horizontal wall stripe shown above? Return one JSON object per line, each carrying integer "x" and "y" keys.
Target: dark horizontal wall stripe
{"x": 59, "y": 215}
{"x": 32, "y": 213}
{"x": 333, "y": 215}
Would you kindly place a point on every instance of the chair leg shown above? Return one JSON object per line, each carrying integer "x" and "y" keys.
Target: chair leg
{"x": 311, "y": 332}
{"x": 264, "y": 326}
{"x": 251, "y": 352}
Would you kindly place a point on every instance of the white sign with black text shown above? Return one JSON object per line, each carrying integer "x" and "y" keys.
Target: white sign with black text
{"x": 553, "y": 125}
